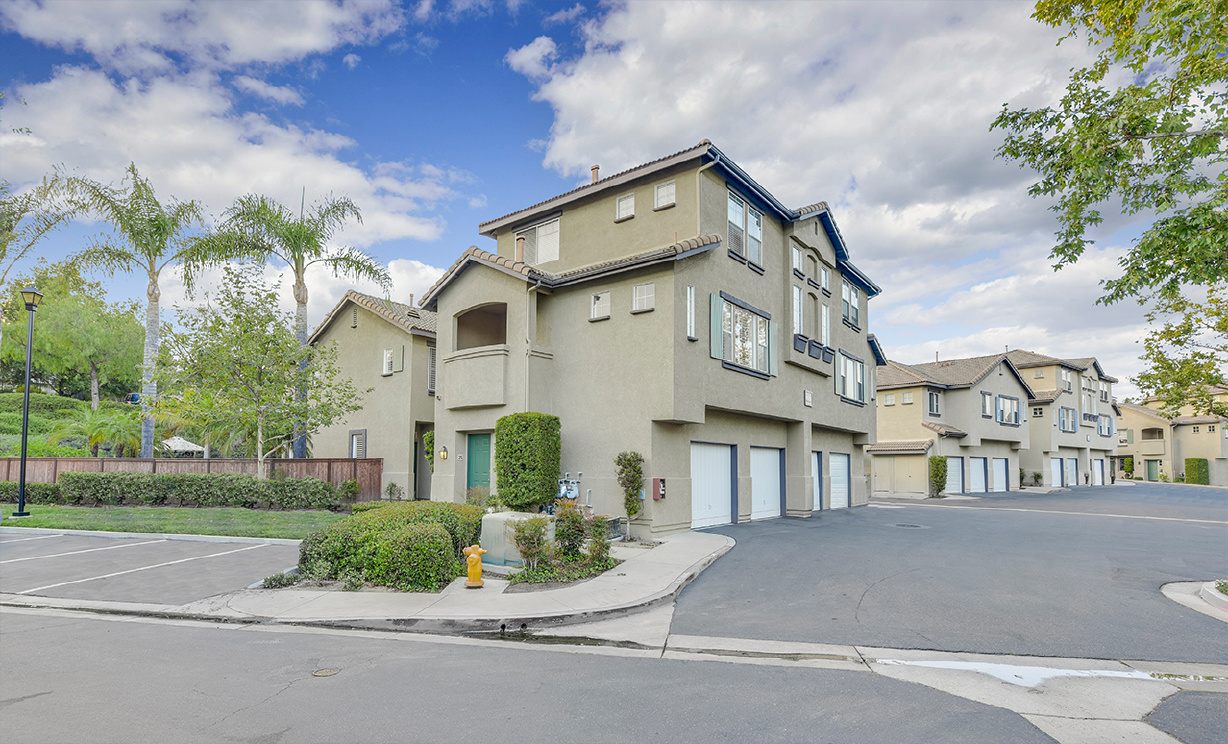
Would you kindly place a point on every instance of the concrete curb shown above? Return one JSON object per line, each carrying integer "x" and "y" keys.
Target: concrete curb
{"x": 1212, "y": 596}
{"x": 7, "y": 530}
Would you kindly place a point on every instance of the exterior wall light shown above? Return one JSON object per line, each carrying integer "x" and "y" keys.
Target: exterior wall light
{"x": 443, "y": 453}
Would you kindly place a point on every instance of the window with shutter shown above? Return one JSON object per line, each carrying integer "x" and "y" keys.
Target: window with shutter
{"x": 737, "y": 217}
{"x": 743, "y": 337}
{"x": 358, "y": 443}
{"x": 826, "y": 326}
{"x": 799, "y": 327}
{"x": 754, "y": 237}
{"x": 430, "y": 370}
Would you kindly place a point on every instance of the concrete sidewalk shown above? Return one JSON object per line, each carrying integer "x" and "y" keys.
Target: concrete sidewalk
{"x": 648, "y": 576}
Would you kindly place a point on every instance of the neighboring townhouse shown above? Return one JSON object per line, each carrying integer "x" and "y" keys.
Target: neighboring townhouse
{"x": 388, "y": 347}
{"x": 1160, "y": 445}
{"x": 970, "y": 411}
{"x": 1072, "y": 422}
{"x": 676, "y": 309}
{"x": 1145, "y": 435}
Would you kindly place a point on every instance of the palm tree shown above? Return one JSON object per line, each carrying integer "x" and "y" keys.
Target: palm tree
{"x": 258, "y": 228}
{"x": 148, "y": 236}
{"x": 83, "y": 423}
{"x": 25, "y": 219}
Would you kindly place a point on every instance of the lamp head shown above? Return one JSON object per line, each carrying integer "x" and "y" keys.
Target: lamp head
{"x": 31, "y": 296}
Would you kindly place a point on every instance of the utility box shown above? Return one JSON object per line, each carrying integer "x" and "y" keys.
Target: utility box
{"x": 658, "y": 489}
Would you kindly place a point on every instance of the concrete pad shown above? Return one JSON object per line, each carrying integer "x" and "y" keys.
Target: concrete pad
{"x": 1189, "y": 594}
{"x": 650, "y": 628}
{"x": 1084, "y": 731}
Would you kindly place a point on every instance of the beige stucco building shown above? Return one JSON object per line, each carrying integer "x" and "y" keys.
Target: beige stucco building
{"x": 388, "y": 347}
{"x": 970, "y": 411}
{"x": 676, "y": 309}
{"x": 1071, "y": 419}
{"x": 1159, "y": 445}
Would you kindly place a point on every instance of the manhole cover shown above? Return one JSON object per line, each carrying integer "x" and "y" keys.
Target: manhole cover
{"x": 324, "y": 672}
{"x": 912, "y": 526}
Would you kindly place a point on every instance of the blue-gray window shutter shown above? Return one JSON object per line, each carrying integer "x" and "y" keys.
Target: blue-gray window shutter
{"x": 716, "y": 330}
{"x": 773, "y": 349}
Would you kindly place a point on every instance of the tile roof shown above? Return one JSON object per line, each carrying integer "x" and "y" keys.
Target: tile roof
{"x": 530, "y": 273}
{"x": 403, "y": 316}
{"x": 913, "y": 447}
{"x": 1136, "y": 408}
{"x": 951, "y": 373}
{"x": 1045, "y": 396}
{"x": 811, "y": 208}
{"x": 1184, "y": 420}
{"x": 945, "y": 430}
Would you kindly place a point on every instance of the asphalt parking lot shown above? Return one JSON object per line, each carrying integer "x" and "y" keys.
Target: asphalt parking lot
{"x": 149, "y": 569}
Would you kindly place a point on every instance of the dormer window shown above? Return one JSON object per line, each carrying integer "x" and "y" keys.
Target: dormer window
{"x": 541, "y": 242}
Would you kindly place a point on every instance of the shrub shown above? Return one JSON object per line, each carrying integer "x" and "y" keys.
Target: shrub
{"x": 363, "y": 506}
{"x": 630, "y": 466}
{"x": 197, "y": 489}
{"x": 461, "y": 522}
{"x": 478, "y": 496}
{"x": 568, "y": 529}
{"x": 395, "y": 492}
{"x": 1197, "y": 470}
{"x": 1037, "y": 477}
{"x": 279, "y": 580}
{"x": 531, "y": 542}
{"x": 598, "y": 531}
{"x": 528, "y": 450}
{"x": 428, "y": 448}
{"x": 938, "y": 475}
{"x": 36, "y": 493}
{"x": 1128, "y": 466}
{"x": 348, "y": 491}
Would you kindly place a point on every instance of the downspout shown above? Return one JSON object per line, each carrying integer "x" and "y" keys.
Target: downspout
{"x": 715, "y": 160}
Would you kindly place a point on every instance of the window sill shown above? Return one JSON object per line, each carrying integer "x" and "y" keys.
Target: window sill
{"x": 987, "y": 415}
{"x": 852, "y": 401}
{"x": 736, "y": 256}
{"x": 745, "y": 370}
{"x": 598, "y": 319}
{"x": 664, "y": 207}
{"x": 814, "y": 284}
{"x": 826, "y": 292}
{"x": 852, "y": 325}
{"x": 1007, "y": 423}
{"x": 623, "y": 219}
{"x": 755, "y": 267}
{"x": 641, "y": 312}
{"x": 798, "y": 273}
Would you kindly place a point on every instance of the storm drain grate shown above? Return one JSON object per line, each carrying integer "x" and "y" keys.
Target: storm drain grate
{"x": 912, "y": 526}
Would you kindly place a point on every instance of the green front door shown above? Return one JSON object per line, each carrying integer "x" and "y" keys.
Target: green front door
{"x": 479, "y": 461}
{"x": 1153, "y": 470}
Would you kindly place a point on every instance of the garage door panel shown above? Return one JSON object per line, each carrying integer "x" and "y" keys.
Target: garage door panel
{"x": 1072, "y": 471}
{"x": 840, "y": 485}
{"x": 1098, "y": 472}
{"x": 711, "y": 488}
{"x": 1001, "y": 473}
{"x": 976, "y": 475}
{"x": 1055, "y": 471}
{"x": 765, "y": 486}
{"x": 955, "y": 475}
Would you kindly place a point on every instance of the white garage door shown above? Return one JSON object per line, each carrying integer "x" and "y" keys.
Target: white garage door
{"x": 1072, "y": 471}
{"x": 1001, "y": 467}
{"x": 711, "y": 496}
{"x": 976, "y": 478}
{"x": 1055, "y": 471}
{"x": 840, "y": 485}
{"x": 816, "y": 467}
{"x": 1097, "y": 472}
{"x": 955, "y": 475}
{"x": 765, "y": 484}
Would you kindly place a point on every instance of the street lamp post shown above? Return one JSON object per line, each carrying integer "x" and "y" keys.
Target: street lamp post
{"x": 31, "y": 296}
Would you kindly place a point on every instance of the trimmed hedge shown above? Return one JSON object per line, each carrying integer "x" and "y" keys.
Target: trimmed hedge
{"x": 528, "y": 453}
{"x": 411, "y": 546}
{"x": 199, "y": 489}
{"x": 1197, "y": 470}
{"x": 36, "y": 493}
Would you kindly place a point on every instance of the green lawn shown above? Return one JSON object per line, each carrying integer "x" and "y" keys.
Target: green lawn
{"x": 294, "y": 525}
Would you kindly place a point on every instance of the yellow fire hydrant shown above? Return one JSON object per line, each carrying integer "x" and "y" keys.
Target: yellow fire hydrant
{"x": 473, "y": 557}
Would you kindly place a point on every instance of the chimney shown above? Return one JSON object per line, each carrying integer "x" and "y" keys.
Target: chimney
{"x": 519, "y": 249}
{"x": 411, "y": 301}
{"x": 595, "y": 167}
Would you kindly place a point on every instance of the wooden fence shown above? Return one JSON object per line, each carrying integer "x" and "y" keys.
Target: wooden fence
{"x": 368, "y": 472}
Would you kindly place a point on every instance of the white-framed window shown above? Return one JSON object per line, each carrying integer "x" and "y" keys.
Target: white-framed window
{"x": 430, "y": 369}
{"x": 754, "y": 236}
{"x": 1210, "y": 428}
{"x": 906, "y": 399}
{"x": 852, "y": 303}
{"x": 745, "y": 230}
{"x": 1067, "y": 380}
{"x": 1039, "y": 374}
{"x": 1195, "y": 429}
{"x": 1068, "y": 419}
{"x": 663, "y": 195}
{"x": 1106, "y": 425}
{"x": 541, "y": 242}
{"x": 625, "y": 208}
{"x": 826, "y": 326}
{"x": 643, "y": 298}
{"x": 358, "y": 443}
{"x": 387, "y": 368}
{"x": 599, "y": 306}
{"x": 825, "y": 278}
{"x": 1104, "y": 391}
{"x": 1038, "y": 412}
{"x": 799, "y": 326}
{"x": 987, "y": 404}
{"x": 935, "y": 403}
{"x": 1008, "y": 410}
{"x": 797, "y": 258}
{"x": 745, "y": 338}
{"x": 851, "y": 383}
{"x": 690, "y": 312}
{"x": 888, "y": 399}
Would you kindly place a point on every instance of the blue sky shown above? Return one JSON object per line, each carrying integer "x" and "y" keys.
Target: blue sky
{"x": 435, "y": 116}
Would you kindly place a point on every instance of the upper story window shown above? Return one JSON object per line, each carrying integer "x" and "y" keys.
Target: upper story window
{"x": 851, "y": 383}
{"x": 745, "y": 230}
{"x": 825, "y": 319}
{"x": 1105, "y": 425}
{"x": 663, "y": 195}
{"x": 935, "y": 400}
{"x": 1068, "y": 419}
{"x": 1104, "y": 391}
{"x": 1089, "y": 401}
{"x": 987, "y": 405}
{"x": 1067, "y": 380}
{"x": 1195, "y": 429}
{"x": 430, "y": 369}
{"x": 1125, "y": 436}
{"x": 906, "y": 398}
{"x": 797, "y": 258}
{"x": 387, "y": 367}
{"x": 625, "y": 207}
{"x": 541, "y": 242}
{"x": 744, "y": 336}
{"x": 1152, "y": 434}
{"x": 889, "y": 399}
{"x": 852, "y": 303}
{"x": 799, "y": 326}
{"x": 825, "y": 278}
{"x": 1008, "y": 410}
{"x": 690, "y": 313}
{"x": 599, "y": 306}
{"x": 643, "y": 298}
{"x": 1038, "y": 412}
{"x": 482, "y": 326}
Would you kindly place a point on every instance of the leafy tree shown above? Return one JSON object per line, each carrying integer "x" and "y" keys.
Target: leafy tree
{"x": 1156, "y": 143}
{"x": 1187, "y": 356}
{"x": 239, "y": 354}
{"x": 75, "y": 330}
{"x": 259, "y": 228}
{"x": 147, "y": 236}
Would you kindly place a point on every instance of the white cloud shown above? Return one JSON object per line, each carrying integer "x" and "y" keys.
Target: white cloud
{"x": 533, "y": 59}
{"x": 567, "y": 15}
{"x": 144, "y": 35}
{"x": 274, "y": 93}
{"x": 351, "y": 61}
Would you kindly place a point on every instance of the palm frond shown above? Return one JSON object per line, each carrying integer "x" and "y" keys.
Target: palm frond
{"x": 354, "y": 264}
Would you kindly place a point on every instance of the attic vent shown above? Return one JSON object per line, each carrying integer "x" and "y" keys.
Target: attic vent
{"x": 353, "y": 317}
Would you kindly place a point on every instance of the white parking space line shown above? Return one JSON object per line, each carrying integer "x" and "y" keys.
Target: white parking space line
{"x": 23, "y": 539}
{"x": 143, "y": 568}
{"x": 78, "y": 552}
{"x": 1072, "y": 513}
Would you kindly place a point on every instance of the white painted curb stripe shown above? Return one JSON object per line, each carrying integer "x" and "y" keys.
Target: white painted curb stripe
{"x": 23, "y": 539}
{"x": 78, "y": 552}
{"x": 134, "y": 570}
